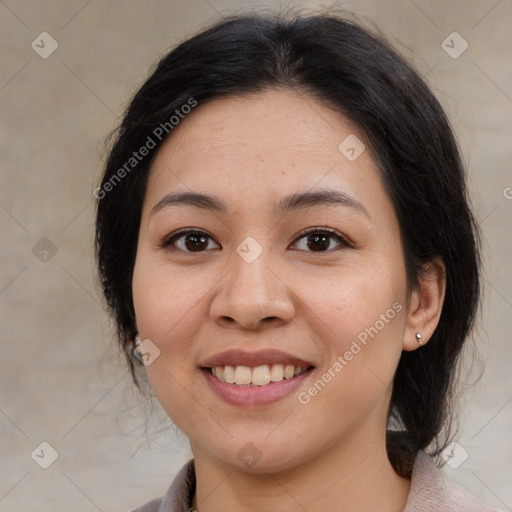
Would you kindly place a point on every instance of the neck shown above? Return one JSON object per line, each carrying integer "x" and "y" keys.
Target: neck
{"x": 344, "y": 478}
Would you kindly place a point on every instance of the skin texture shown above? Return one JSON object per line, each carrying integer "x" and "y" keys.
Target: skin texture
{"x": 250, "y": 152}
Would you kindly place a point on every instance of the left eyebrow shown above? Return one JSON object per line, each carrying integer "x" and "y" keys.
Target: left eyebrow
{"x": 308, "y": 199}
{"x": 287, "y": 204}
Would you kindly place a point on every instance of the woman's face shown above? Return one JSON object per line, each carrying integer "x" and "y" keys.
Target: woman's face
{"x": 268, "y": 241}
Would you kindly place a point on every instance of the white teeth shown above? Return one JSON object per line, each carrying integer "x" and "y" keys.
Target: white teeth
{"x": 242, "y": 375}
{"x": 256, "y": 376}
{"x": 289, "y": 371}
{"x": 276, "y": 373}
{"x": 260, "y": 375}
{"x": 229, "y": 374}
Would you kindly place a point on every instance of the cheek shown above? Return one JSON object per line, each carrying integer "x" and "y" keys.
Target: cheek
{"x": 363, "y": 340}
{"x": 354, "y": 297}
{"x": 169, "y": 312}
{"x": 167, "y": 304}
{"x": 359, "y": 319}
{"x": 165, "y": 300}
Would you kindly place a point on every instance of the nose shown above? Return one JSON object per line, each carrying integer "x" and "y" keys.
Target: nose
{"x": 252, "y": 296}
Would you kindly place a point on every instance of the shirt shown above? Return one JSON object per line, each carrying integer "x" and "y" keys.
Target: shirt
{"x": 431, "y": 490}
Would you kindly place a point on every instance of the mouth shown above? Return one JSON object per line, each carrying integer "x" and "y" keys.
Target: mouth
{"x": 252, "y": 379}
{"x": 256, "y": 376}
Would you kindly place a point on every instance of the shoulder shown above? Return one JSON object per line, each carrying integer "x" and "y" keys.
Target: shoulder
{"x": 179, "y": 495}
{"x": 431, "y": 490}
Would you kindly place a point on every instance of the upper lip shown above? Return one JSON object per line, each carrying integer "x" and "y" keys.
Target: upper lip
{"x": 259, "y": 358}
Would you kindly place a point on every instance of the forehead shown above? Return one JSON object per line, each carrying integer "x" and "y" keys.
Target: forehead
{"x": 258, "y": 147}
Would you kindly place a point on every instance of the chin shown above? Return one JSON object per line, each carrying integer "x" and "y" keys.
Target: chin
{"x": 255, "y": 457}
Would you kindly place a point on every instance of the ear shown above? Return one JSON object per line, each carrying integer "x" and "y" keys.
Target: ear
{"x": 426, "y": 304}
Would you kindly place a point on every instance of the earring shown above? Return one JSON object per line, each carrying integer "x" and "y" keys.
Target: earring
{"x": 418, "y": 338}
{"x": 138, "y": 341}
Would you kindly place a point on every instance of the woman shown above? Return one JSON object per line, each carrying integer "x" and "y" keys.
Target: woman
{"x": 285, "y": 243}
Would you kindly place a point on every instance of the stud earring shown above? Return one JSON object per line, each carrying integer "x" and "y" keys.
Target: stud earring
{"x": 418, "y": 338}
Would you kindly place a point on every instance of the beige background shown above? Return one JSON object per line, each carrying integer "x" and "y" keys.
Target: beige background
{"x": 59, "y": 381}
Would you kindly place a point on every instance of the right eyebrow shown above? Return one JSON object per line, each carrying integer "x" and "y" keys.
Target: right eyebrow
{"x": 192, "y": 199}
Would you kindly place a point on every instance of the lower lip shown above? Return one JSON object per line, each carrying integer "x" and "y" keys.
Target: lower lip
{"x": 254, "y": 396}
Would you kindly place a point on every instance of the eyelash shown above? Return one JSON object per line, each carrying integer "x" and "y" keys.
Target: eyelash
{"x": 168, "y": 242}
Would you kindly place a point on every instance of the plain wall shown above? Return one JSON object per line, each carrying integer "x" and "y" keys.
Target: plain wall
{"x": 59, "y": 381}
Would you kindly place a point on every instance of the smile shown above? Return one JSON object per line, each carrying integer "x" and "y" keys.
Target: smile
{"x": 256, "y": 376}
{"x": 254, "y": 379}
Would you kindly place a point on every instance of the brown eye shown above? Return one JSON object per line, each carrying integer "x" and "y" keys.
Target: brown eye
{"x": 195, "y": 243}
{"x": 320, "y": 240}
{"x": 190, "y": 241}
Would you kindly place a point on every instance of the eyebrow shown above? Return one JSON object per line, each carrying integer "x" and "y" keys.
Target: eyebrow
{"x": 293, "y": 202}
